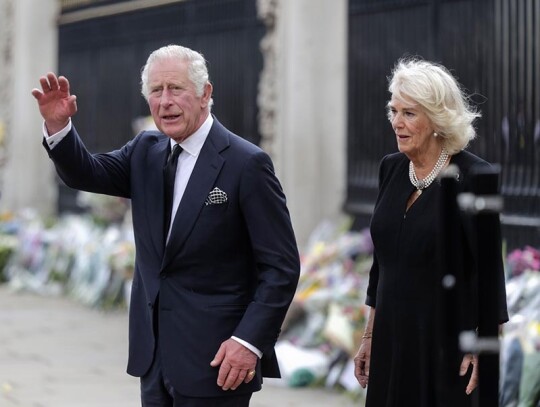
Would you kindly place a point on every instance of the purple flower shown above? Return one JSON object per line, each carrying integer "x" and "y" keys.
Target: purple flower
{"x": 520, "y": 260}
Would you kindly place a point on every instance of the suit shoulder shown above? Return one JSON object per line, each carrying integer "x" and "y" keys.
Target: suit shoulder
{"x": 243, "y": 144}
{"x": 151, "y": 135}
{"x": 146, "y": 140}
{"x": 224, "y": 139}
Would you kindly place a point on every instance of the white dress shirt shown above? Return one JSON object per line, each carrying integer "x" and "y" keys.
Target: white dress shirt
{"x": 191, "y": 148}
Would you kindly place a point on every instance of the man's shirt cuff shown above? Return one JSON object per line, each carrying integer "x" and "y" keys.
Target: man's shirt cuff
{"x": 56, "y": 138}
{"x": 248, "y": 345}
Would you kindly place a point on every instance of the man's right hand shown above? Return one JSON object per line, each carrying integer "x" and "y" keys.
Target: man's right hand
{"x": 56, "y": 104}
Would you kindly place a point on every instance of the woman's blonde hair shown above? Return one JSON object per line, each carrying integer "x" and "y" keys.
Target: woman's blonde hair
{"x": 437, "y": 92}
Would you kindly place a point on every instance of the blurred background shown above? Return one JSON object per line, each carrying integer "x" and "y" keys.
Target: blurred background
{"x": 307, "y": 81}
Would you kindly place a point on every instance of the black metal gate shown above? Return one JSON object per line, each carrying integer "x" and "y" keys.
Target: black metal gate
{"x": 493, "y": 47}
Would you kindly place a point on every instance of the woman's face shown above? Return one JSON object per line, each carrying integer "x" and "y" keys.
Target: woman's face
{"x": 414, "y": 131}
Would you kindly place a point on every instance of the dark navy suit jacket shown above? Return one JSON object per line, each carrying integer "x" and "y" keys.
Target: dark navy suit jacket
{"x": 228, "y": 269}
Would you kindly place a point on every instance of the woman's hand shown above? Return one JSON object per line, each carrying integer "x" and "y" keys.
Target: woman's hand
{"x": 465, "y": 363}
{"x": 361, "y": 362}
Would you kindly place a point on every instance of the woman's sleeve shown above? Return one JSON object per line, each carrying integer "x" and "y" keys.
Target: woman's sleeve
{"x": 371, "y": 296}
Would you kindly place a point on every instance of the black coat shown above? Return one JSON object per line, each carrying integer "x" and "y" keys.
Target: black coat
{"x": 403, "y": 287}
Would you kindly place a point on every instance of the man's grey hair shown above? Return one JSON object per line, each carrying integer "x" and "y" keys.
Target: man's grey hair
{"x": 197, "y": 69}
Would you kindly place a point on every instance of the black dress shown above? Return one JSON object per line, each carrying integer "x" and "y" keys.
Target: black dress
{"x": 402, "y": 288}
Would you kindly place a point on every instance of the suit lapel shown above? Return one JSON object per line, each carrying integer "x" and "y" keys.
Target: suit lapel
{"x": 155, "y": 160}
{"x": 201, "y": 182}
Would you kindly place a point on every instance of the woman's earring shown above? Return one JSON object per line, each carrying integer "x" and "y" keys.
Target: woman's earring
{"x": 435, "y": 134}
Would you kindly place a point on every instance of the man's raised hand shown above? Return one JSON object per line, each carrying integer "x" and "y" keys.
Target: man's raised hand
{"x": 55, "y": 102}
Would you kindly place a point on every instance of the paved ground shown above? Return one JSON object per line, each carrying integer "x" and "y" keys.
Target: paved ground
{"x": 54, "y": 351}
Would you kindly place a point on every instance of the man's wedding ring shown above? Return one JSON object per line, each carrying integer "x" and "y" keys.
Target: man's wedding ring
{"x": 251, "y": 373}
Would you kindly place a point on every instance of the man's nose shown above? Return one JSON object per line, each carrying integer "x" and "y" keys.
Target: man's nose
{"x": 165, "y": 98}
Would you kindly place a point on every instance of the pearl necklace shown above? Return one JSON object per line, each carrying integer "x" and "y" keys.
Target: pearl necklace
{"x": 421, "y": 184}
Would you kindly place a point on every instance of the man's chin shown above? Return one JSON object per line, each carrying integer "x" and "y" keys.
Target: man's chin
{"x": 172, "y": 132}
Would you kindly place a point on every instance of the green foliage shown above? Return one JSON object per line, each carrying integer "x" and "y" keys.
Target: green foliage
{"x": 7, "y": 247}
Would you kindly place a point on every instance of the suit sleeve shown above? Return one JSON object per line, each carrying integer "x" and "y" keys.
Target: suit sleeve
{"x": 275, "y": 252}
{"x": 107, "y": 173}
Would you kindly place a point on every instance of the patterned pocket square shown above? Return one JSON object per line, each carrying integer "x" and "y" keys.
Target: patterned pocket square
{"x": 216, "y": 197}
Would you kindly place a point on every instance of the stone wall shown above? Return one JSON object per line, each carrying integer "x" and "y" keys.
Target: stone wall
{"x": 303, "y": 104}
{"x": 28, "y": 43}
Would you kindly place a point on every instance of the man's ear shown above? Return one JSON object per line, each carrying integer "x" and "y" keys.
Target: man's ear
{"x": 207, "y": 94}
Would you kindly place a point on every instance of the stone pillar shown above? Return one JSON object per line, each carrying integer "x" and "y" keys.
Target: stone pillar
{"x": 6, "y": 62}
{"x": 303, "y": 105}
{"x": 29, "y": 50}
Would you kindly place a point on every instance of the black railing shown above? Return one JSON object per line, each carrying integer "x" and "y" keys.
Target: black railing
{"x": 493, "y": 47}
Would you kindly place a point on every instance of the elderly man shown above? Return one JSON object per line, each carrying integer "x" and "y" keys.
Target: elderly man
{"x": 217, "y": 263}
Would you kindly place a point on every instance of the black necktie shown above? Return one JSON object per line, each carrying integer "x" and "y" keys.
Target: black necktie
{"x": 169, "y": 173}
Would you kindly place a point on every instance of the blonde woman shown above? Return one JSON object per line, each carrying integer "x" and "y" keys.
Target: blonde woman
{"x": 433, "y": 124}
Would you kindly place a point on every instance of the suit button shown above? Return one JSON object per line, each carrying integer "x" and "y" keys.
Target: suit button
{"x": 162, "y": 275}
{"x": 150, "y": 305}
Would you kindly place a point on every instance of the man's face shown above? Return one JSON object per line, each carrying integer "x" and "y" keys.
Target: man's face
{"x": 174, "y": 104}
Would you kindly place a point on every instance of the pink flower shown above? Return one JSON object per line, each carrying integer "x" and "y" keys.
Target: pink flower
{"x": 519, "y": 260}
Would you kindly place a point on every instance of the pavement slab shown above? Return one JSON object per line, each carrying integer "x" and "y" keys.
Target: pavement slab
{"x": 55, "y": 352}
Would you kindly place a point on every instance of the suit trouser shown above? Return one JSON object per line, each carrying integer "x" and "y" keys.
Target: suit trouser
{"x": 157, "y": 391}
